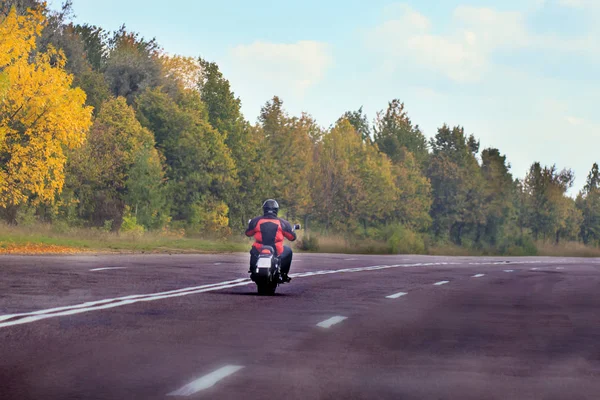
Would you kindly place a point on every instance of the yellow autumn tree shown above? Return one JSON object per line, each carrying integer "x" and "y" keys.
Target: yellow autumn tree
{"x": 185, "y": 71}
{"x": 40, "y": 113}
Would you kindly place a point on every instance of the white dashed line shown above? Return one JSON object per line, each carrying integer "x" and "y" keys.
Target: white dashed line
{"x": 534, "y": 269}
{"x": 351, "y": 259}
{"x": 206, "y": 381}
{"x": 331, "y": 321}
{"x": 559, "y": 268}
{"x": 441, "y": 283}
{"x": 478, "y": 276}
{"x": 396, "y": 295}
{"x": 104, "y": 269}
{"x": 509, "y": 270}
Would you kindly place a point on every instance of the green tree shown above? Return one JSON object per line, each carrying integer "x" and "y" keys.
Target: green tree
{"x": 146, "y": 191}
{"x": 570, "y": 221}
{"x": 290, "y": 157}
{"x": 593, "y": 180}
{"x": 200, "y": 168}
{"x": 337, "y": 188}
{"x": 160, "y": 113}
{"x": 221, "y": 104}
{"x": 547, "y": 207}
{"x": 246, "y": 143}
{"x": 414, "y": 195}
{"x": 60, "y": 34}
{"x": 379, "y": 192}
{"x": 457, "y": 184}
{"x": 94, "y": 41}
{"x": 101, "y": 171}
{"x": 499, "y": 195}
{"x": 132, "y": 65}
{"x": 588, "y": 203}
{"x": 359, "y": 121}
{"x": 95, "y": 87}
{"x": 395, "y": 134}
{"x": 521, "y": 204}
{"x": 354, "y": 185}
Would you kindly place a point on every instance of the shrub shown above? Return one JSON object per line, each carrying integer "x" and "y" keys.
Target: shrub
{"x": 210, "y": 218}
{"x": 401, "y": 240}
{"x": 130, "y": 225}
{"x": 521, "y": 246}
{"x": 60, "y": 226}
{"x": 107, "y": 226}
{"x": 309, "y": 243}
{"x": 26, "y": 216}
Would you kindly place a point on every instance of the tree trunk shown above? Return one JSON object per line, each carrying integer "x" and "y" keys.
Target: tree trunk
{"x": 9, "y": 214}
{"x": 460, "y": 229}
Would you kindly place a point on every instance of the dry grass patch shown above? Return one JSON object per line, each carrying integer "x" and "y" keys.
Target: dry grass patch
{"x": 568, "y": 249}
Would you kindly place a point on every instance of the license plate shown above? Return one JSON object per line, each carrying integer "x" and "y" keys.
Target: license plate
{"x": 264, "y": 263}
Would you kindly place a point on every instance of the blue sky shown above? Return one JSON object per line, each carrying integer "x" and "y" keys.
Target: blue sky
{"x": 520, "y": 75}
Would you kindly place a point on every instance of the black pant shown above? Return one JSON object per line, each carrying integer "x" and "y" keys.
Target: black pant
{"x": 286, "y": 259}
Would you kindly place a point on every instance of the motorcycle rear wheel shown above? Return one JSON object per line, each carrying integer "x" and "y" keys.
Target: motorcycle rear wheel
{"x": 266, "y": 288}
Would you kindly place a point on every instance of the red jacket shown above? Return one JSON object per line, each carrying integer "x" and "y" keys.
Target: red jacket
{"x": 270, "y": 231}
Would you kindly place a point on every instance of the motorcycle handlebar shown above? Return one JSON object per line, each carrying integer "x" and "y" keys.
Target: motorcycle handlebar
{"x": 296, "y": 227}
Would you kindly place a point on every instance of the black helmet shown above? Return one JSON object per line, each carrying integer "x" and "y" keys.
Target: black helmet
{"x": 271, "y": 207}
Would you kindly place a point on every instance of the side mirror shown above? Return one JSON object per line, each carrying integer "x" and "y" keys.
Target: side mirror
{"x": 297, "y": 226}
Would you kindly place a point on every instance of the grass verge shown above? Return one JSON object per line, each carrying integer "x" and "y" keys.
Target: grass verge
{"x": 46, "y": 239}
{"x": 568, "y": 249}
{"x": 42, "y": 239}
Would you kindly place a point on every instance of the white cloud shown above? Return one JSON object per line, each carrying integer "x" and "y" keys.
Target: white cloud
{"x": 406, "y": 15}
{"x": 463, "y": 54}
{"x": 493, "y": 28}
{"x": 530, "y": 111}
{"x": 575, "y": 121}
{"x": 280, "y": 66}
{"x": 577, "y": 3}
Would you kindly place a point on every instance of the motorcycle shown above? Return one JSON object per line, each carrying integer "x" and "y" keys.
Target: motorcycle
{"x": 267, "y": 273}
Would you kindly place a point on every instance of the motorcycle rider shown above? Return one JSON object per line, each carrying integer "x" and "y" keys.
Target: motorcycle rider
{"x": 270, "y": 230}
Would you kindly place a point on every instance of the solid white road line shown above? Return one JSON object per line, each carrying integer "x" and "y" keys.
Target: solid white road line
{"x": 206, "y": 381}
{"x": 478, "y": 276}
{"x": 121, "y": 301}
{"x": 441, "y": 283}
{"x": 104, "y": 269}
{"x": 396, "y": 295}
{"x": 331, "y": 321}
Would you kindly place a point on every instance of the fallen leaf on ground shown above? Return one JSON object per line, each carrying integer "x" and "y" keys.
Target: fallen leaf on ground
{"x": 36, "y": 248}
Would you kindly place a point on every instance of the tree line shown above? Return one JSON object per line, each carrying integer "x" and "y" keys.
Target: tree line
{"x": 103, "y": 129}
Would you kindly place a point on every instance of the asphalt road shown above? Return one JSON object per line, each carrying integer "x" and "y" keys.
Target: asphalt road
{"x": 346, "y": 327}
